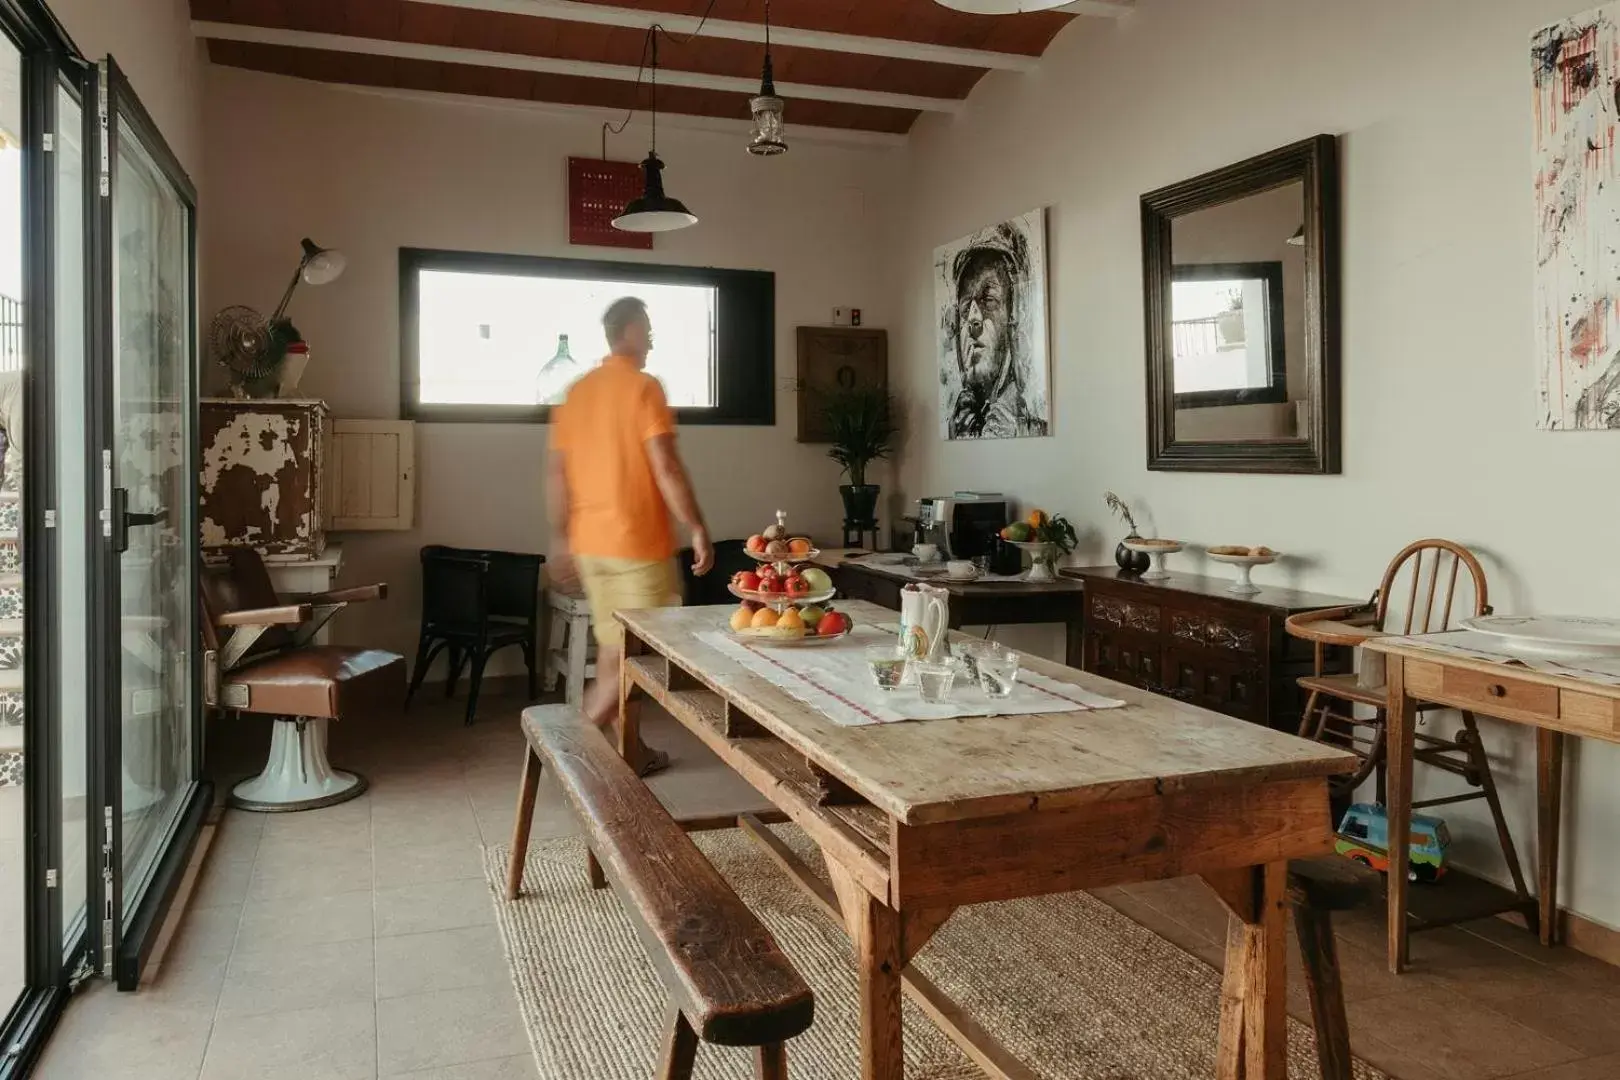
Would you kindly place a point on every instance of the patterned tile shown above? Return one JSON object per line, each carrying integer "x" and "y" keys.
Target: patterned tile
{"x": 11, "y": 647}
{"x": 11, "y": 768}
{"x": 11, "y": 708}
{"x": 11, "y": 602}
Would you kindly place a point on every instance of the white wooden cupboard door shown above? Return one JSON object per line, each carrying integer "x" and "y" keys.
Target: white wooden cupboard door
{"x": 373, "y": 475}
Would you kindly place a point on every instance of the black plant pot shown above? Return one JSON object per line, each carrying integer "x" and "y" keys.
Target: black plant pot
{"x": 1132, "y": 562}
{"x": 860, "y": 502}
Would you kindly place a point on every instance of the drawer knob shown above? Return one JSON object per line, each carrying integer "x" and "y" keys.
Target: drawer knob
{"x": 1496, "y": 690}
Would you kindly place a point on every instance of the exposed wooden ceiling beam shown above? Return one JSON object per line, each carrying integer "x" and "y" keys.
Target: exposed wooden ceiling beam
{"x": 605, "y": 15}
{"x": 1111, "y": 9}
{"x": 557, "y": 66}
{"x": 682, "y": 121}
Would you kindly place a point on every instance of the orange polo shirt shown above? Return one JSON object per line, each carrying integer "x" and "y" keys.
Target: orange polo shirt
{"x": 615, "y": 509}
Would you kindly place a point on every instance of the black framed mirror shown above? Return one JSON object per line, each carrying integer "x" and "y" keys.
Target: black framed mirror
{"x": 1241, "y": 292}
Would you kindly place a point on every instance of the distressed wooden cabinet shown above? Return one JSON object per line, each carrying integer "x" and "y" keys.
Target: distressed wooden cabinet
{"x": 263, "y": 476}
{"x": 1188, "y": 638}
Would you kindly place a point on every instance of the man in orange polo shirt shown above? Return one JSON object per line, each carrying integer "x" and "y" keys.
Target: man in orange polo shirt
{"x": 614, "y": 478}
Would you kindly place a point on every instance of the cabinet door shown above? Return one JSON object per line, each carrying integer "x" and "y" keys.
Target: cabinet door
{"x": 1124, "y": 658}
{"x": 1236, "y": 689}
{"x": 371, "y": 475}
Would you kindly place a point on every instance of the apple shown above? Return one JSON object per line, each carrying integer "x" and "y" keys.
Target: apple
{"x": 817, "y": 578}
{"x": 795, "y": 585}
{"x": 812, "y": 615}
{"x": 770, "y": 584}
{"x": 746, "y": 580}
{"x": 755, "y": 543}
{"x": 832, "y": 624}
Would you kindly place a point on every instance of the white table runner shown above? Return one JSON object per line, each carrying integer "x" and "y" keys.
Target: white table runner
{"x": 1498, "y": 650}
{"x": 834, "y": 679}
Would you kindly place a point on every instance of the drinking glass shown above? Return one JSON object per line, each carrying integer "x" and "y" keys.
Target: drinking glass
{"x": 934, "y": 680}
{"x": 967, "y": 652}
{"x": 998, "y": 671}
{"x": 887, "y": 665}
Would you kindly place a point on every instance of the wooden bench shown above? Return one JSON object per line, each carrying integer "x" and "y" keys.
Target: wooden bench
{"x": 728, "y": 981}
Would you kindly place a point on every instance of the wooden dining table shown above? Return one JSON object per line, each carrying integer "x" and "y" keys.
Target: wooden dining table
{"x": 918, "y": 818}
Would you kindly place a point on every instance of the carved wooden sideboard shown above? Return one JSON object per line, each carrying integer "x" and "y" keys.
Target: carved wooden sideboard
{"x": 1188, "y": 638}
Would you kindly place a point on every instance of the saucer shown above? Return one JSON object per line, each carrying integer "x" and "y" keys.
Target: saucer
{"x": 961, "y": 578}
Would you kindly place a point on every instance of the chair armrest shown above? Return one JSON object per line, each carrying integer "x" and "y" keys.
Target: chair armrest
{"x": 353, "y": 595}
{"x": 286, "y": 615}
{"x": 1335, "y": 626}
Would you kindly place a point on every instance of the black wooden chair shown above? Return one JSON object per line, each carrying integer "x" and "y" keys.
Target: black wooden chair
{"x": 729, "y": 557}
{"x": 475, "y": 602}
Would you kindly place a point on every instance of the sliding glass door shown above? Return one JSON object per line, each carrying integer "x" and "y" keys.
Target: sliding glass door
{"x": 100, "y": 698}
{"x": 144, "y": 380}
{"x": 44, "y": 746}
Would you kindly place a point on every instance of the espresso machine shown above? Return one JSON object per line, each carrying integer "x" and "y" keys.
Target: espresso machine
{"x": 965, "y": 525}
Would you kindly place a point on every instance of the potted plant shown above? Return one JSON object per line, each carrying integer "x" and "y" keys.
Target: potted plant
{"x": 861, "y": 422}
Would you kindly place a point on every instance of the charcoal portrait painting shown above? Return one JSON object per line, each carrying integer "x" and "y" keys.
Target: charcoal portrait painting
{"x": 990, "y": 292}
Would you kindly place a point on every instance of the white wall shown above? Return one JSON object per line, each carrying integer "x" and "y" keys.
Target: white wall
{"x": 1433, "y": 102}
{"x": 371, "y": 174}
{"x": 152, "y": 43}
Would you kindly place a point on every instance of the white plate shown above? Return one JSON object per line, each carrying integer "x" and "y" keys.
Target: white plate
{"x": 781, "y": 597}
{"x": 1245, "y": 560}
{"x": 803, "y": 556}
{"x": 1168, "y": 548}
{"x": 768, "y": 642}
{"x": 1552, "y": 635}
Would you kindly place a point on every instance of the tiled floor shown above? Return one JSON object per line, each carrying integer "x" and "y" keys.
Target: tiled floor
{"x": 359, "y": 941}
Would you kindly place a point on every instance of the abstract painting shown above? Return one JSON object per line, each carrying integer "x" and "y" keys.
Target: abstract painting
{"x": 1576, "y": 65}
{"x": 990, "y": 292}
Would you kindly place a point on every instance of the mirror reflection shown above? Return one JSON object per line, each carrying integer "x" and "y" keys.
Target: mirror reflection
{"x": 1237, "y": 320}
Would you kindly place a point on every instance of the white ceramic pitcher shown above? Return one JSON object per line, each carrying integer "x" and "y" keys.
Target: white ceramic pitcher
{"x": 925, "y": 621}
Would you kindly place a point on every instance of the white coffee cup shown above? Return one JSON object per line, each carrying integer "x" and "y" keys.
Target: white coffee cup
{"x": 961, "y": 568}
{"x": 926, "y": 552}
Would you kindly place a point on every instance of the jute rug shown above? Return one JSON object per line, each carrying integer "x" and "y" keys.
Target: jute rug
{"x": 1075, "y": 989}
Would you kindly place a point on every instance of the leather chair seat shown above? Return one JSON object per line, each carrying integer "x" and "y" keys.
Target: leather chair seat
{"x": 320, "y": 681}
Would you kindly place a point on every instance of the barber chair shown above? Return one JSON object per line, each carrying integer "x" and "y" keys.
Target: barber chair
{"x": 259, "y": 659}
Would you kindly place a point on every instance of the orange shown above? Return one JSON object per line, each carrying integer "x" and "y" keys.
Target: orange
{"x": 798, "y": 545}
{"x": 764, "y": 617}
{"x": 1037, "y": 518}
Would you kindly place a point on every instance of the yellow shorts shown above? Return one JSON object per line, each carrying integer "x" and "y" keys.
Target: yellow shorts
{"x": 624, "y": 585}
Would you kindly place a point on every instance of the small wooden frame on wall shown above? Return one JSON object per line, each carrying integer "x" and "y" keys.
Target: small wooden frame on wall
{"x": 834, "y": 358}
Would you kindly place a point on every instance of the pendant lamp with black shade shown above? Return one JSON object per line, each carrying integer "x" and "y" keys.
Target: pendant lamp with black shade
{"x": 766, "y": 107}
{"x": 654, "y": 211}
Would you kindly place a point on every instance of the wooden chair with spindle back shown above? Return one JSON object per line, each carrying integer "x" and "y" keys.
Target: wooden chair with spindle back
{"x": 1329, "y": 714}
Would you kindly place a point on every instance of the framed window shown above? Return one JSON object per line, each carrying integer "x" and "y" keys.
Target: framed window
{"x": 487, "y": 337}
{"x": 1226, "y": 329}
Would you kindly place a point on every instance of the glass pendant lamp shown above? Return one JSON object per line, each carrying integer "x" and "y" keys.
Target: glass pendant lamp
{"x": 766, "y": 107}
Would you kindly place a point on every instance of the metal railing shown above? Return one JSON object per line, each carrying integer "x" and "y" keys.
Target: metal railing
{"x": 11, "y": 334}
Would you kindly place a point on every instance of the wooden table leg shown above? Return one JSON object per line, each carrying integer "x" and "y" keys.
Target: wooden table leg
{"x": 1400, "y": 726}
{"x": 1549, "y": 812}
{"x": 1074, "y": 654}
{"x": 878, "y": 967}
{"x": 629, "y": 704}
{"x": 1254, "y": 988}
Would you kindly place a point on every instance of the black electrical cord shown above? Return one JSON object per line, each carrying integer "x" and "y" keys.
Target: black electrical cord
{"x": 651, "y": 42}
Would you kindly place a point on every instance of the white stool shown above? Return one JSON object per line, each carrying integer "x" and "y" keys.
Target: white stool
{"x": 570, "y": 650}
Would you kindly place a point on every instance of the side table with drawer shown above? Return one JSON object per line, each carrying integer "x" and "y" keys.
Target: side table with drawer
{"x": 1188, "y": 638}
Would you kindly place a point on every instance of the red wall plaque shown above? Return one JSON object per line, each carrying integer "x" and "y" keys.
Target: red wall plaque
{"x": 597, "y": 191}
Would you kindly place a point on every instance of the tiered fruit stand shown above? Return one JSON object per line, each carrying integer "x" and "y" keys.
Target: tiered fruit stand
{"x": 784, "y": 565}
